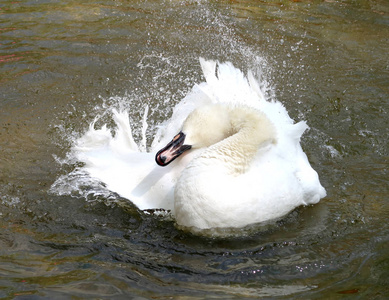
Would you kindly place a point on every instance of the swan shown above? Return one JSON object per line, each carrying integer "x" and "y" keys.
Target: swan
{"x": 227, "y": 157}
{"x": 241, "y": 177}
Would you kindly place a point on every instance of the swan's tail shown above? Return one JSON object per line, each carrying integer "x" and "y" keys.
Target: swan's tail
{"x": 227, "y": 84}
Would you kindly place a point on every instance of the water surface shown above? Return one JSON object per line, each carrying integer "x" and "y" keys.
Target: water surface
{"x": 64, "y": 62}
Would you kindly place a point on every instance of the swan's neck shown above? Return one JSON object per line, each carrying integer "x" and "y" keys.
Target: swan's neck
{"x": 249, "y": 131}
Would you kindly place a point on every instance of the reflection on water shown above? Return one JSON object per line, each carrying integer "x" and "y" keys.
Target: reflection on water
{"x": 63, "y": 63}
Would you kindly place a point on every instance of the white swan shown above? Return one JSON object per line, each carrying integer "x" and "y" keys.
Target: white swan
{"x": 235, "y": 159}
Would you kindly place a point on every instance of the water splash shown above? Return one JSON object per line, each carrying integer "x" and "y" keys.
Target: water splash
{"x": 124, "y": 125}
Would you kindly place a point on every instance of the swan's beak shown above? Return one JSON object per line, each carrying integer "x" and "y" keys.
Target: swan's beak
{"x": 172, "y": 150}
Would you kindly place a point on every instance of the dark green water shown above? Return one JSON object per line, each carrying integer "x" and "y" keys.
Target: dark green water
{"x": 64, "y": 62}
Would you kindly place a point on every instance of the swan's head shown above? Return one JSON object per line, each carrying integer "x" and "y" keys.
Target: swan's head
{"x": 203, "y": 127}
